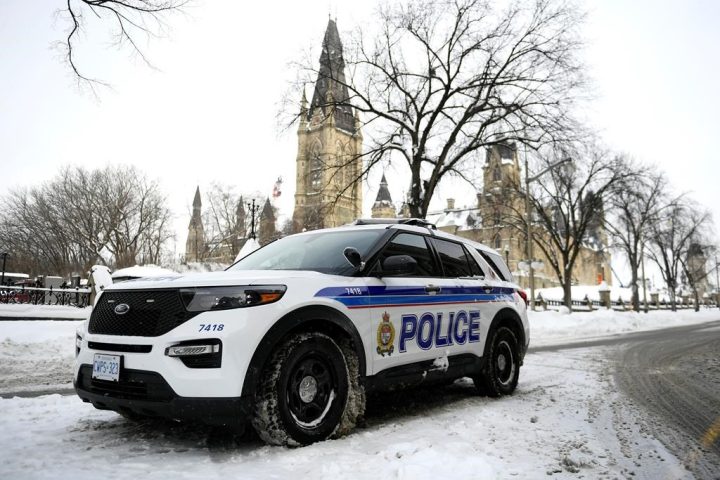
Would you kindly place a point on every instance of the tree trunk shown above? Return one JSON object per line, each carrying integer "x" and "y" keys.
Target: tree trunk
{"x": 567, "y": 293}
{"x": 635, "y": 289}
{"x": 673, "y": 305}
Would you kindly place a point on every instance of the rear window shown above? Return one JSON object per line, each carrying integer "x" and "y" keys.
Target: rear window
{"x": 497, "y": 264}
{"x": 454, "y": 259}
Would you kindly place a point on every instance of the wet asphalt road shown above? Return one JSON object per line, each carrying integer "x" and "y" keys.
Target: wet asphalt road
{"x": 675, "y": 375}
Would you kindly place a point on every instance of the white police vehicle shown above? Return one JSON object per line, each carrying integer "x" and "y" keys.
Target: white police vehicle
{"x": 291, "y": 337}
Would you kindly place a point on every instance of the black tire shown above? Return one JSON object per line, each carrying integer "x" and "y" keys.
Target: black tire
{"x": 502, "y": 365}
{"x": 309, "y": 391}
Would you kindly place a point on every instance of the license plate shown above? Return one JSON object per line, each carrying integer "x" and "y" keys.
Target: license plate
{"x": 106, "y": 367}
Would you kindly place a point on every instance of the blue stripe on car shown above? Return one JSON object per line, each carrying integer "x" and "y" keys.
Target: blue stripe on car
{"x": 377, "y": 296}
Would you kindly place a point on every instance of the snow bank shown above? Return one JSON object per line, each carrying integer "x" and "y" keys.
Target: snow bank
{"x": 36, "y": 355}
{"x": 554, "y": 327}
{"x": 43, "y": 311}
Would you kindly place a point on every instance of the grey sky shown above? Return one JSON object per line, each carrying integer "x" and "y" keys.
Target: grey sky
{"x": 208, "y": 112}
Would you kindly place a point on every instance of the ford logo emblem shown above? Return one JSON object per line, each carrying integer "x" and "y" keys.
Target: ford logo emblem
{"x": 122, "y": 309}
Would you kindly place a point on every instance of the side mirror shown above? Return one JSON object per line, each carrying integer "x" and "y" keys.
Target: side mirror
{"x": 399, "y": 265}
{"x": 353, "y": 257}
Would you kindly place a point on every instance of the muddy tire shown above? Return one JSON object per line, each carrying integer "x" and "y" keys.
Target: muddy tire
{"x": 309, "y": 391}
{"x": 502, "y": 366}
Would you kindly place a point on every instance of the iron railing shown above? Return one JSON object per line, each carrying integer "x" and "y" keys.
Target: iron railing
{"x": 619, "y": 305}
{"x": 72, "y": 296}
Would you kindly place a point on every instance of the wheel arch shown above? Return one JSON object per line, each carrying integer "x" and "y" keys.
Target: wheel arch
{"x": 317, "y": 318}
{"x": 507, "y": 317}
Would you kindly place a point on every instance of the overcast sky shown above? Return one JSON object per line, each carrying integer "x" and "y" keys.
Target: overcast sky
{"x": 207, "y": 112}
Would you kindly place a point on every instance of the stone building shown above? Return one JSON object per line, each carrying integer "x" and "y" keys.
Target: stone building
{"x": 195, "y": 243}
{"x": 328, "y": 192}
{"x": 696, "y": 275}
{"x": 268, "y": 229}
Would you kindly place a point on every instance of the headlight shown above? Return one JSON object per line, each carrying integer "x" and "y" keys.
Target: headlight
{"x": 202, "y": 299}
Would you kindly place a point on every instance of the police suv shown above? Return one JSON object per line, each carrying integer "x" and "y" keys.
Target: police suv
{"x": 291, "y": 337}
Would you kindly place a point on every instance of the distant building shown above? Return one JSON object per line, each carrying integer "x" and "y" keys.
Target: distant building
{"x": 328, "y": 192}
{"x": 195, "y": 244}
{"x": 696, "y": 272}
{"x": 383, "y": 206}
{"x": 489, "y": 222}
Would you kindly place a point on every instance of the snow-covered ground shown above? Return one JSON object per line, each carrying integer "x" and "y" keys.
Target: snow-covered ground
{"x": 43, "y": 311}
{"x": 566, "y": 420}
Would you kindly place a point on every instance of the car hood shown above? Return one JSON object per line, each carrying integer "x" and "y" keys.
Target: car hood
{"x": 232, "y": 277}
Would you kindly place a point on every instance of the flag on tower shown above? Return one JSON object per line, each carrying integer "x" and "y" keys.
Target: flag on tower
{"x": 277, "y": 189}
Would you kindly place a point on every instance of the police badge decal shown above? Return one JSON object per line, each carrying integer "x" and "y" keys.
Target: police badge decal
{"x": 385, "y": 336}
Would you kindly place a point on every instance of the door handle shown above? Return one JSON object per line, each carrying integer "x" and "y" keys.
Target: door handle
{"x": 432, "y": 289}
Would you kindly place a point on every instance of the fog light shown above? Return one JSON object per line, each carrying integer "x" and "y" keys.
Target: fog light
{"x": 187, "y": 350}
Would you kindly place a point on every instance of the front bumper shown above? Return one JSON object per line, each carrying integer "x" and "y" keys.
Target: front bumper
{"x": 147, "y": 394}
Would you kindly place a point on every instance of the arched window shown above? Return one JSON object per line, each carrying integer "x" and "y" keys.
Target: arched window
{"x": 497, "y": 242}
{"x": 497, "y": 174}
{"x": 316, "y": 169}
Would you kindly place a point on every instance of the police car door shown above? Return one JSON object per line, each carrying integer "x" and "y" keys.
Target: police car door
{"x": 464, "y": 312}
{"x": 404, "y": 306}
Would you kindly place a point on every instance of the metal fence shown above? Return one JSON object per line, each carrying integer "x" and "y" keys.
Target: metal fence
{"x": 72, "y": 296}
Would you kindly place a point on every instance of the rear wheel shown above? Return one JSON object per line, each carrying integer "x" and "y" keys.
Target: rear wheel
{"x": 502, "y": 365}
{"x": 309, "y": 391}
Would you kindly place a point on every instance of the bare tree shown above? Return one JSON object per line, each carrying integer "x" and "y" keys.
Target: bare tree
{"x": 224, "y": 224}
{"x": 671, "y": 238}
{"x": 568, "y": 205}
{"x": 129, "y": 20}
{"x": 636, "y": 205}
{"x": 114, "y": 216}
{"x": 443, "y": 80}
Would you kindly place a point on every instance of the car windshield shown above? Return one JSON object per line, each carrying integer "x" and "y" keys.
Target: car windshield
{"x": 321, "y": 252}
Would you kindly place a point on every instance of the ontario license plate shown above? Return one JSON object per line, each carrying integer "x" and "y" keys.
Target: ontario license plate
{"x": 106, "y": 367}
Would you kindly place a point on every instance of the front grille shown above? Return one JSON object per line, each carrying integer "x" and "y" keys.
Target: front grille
{"x": 151, "y": 313}
{"x": 133, "y": 385}
{"x": 118, "y": 347}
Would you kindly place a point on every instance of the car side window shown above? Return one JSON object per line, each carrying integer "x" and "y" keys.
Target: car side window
{"x": 414, "y": 246}
{"x": 453, "y": 258}
{"x": 476, "y": 269}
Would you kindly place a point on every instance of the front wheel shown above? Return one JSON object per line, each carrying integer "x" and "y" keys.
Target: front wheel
{"x": 309, "y": 391}
{"x": 502, "y": 365}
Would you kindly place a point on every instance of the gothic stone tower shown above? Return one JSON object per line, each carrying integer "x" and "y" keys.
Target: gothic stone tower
{"x": 195, "y": 244}
{"x": 327, "y": 192}
{"x": 383, "y": 206}
{"x": 501, "y": 181}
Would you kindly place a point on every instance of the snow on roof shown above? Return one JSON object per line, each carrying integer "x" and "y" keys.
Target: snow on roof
{"x": 463, "y": 218}
{"x": 16, "y": 275}
{"x": 143, "y": 271}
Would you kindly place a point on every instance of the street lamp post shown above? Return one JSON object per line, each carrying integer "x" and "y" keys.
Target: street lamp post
{"x": 253, "y": 210}
{"x": 528, "y": 220}
{"x": 2, "y": 280}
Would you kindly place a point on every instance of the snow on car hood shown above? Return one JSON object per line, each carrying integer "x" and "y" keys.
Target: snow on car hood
{"x": 233, "y": 277}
